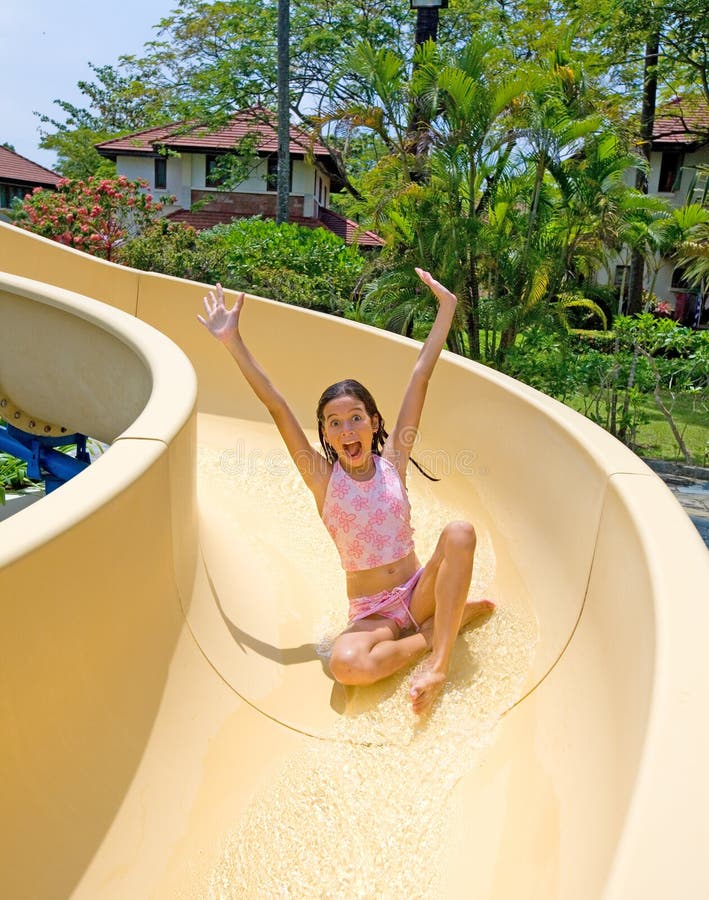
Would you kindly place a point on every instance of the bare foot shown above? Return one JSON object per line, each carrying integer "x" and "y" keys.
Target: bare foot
{"x": 425, "y": 687}
{"x": 475, "y": 609}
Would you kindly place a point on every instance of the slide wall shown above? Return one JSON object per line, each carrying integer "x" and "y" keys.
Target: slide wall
{"x": 160, "y": 661}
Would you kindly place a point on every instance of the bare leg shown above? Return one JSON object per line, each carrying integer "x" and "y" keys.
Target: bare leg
{"x": 444, "y": 587}
{"x": 372, "y": 649}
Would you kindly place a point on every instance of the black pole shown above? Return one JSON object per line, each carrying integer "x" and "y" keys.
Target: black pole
{"x": 647, "y": 125}
{"x": 283, "y": 180}
{"x": 426, "y": 30}
{"x": 426, "y": 24}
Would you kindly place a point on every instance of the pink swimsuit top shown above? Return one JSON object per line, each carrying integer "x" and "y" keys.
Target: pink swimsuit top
{"x": 370, "y": 521}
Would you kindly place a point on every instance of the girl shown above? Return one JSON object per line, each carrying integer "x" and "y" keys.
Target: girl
{"x": 399, "y": 610}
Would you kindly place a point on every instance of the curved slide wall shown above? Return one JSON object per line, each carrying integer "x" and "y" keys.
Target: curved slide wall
{"x": 156, "y": 670}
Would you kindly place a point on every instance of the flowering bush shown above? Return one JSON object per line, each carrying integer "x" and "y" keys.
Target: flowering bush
{"x": 92, "y": 215}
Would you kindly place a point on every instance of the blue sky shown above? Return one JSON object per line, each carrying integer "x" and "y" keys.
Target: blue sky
{"x": 46, "y": 49}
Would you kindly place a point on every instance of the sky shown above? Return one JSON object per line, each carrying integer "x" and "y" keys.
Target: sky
{"x": 47, "y": 47}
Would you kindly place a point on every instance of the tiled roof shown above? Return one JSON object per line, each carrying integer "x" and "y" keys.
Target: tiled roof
{"x": 349, "y": 230}
{"x": 192, "y": 136}
{"x": 344, "y": 228}
{"x": 682, "y": 122}
{"x": 139, "y": 141}
{"x": 15, "y": 168}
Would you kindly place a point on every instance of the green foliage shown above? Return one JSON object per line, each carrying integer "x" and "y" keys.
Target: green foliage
{"x": 211, "y": 57}
{"x": 13, "y": 474}
{"x": 172, "y": 248}
{"x": 513, "y": 193}
{"x": 309, "y": 267}
{"x": 77, "y": 156}
{"x": 118, "y": 103}
{"x": 642, "y": 371}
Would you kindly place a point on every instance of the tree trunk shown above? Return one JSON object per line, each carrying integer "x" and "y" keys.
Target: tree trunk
{"x": 665, "y": 411}
{"x": 283, "y": 181}
{"x": 624, "y": 427}
{"x": 647, "y": 122}
{"x": 426, "y": 30}
{"x": 472, "y": 316}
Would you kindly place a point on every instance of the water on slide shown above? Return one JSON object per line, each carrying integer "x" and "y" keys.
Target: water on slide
{"x": 365, "y": 810}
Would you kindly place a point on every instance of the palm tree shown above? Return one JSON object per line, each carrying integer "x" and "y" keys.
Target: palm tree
{"x": 693, "y": 250}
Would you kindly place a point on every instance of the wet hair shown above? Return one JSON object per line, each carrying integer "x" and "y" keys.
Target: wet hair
{"x": 351, "y": 388}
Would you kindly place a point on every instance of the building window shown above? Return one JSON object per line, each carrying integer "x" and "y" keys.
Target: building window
{"x": 213, "y": 177}
{"x": 670, "y": 172}
{"x": 272, "y": 174}
{"x": 160, "y": 173}
{"x": 679, "y": 280}
{"x": 8, "y": 192}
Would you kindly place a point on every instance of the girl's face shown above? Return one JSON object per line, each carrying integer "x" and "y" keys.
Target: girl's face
{"x": 349, "y": 429}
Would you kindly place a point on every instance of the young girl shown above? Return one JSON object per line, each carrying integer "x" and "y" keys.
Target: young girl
{"x": 399, "y": 609}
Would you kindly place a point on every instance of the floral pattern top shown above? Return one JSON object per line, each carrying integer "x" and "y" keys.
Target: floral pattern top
{"x": 369, "y": 521}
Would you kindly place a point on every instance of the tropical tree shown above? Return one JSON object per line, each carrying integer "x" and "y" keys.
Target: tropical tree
{"x": 430, "y": 204}
{"x": 517, "y": 200}
{"x": 118, "y": 103}
{"x": 212, "y": 57}
{"x": 693, "y": 251}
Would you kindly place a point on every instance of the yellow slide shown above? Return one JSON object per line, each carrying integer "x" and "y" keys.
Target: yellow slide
{"x": 169, "y": 728}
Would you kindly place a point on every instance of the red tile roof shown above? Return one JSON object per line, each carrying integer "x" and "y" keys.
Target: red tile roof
{"x": 344, "y": 228}
{"x": 682, "y": 122}
{"x": 140, "y": 142}
{"x": 18, "y": 170}
{"x": 349, "y": 230}
{"x": 193, "y": 136}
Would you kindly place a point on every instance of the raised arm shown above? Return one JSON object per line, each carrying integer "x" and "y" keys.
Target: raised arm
{"x": 223, "y": 324}
{"x": 401, "y": 439}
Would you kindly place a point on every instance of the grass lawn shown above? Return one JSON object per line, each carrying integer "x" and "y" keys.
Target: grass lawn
{"x": 654, "y": 438}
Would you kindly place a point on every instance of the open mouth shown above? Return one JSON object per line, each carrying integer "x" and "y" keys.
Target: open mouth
{"x": 353, "y": 450}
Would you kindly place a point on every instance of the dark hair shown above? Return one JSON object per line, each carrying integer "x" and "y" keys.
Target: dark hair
{"x": 351, "y": 388}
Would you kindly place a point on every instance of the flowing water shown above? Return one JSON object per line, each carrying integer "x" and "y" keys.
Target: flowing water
{"x": 365, "y": 811}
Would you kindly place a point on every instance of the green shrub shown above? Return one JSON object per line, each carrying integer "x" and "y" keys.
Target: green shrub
{"x": 310, "y": 267}
{"x": 172, "y": 248}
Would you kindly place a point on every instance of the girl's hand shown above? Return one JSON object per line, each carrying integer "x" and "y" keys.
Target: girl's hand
{"x": 223, "y": 323}
{"x": 443, "y": 295}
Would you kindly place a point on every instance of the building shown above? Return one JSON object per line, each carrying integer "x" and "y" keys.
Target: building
{"x": 183, "y": 160}
{"x": 680, "y": 144}
{"x": 19, "y": 176}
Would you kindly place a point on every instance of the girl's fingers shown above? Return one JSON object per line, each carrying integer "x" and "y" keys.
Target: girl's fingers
{"x": 200, "y": 319}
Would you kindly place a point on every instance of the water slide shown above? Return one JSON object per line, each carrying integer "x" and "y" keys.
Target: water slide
{"x": 169, "y": 727}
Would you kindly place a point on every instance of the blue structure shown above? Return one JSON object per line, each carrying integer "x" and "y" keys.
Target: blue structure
{"x": 43, "y": 461}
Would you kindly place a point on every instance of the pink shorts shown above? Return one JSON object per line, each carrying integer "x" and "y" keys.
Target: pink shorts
{"x": 393, "y": 604}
